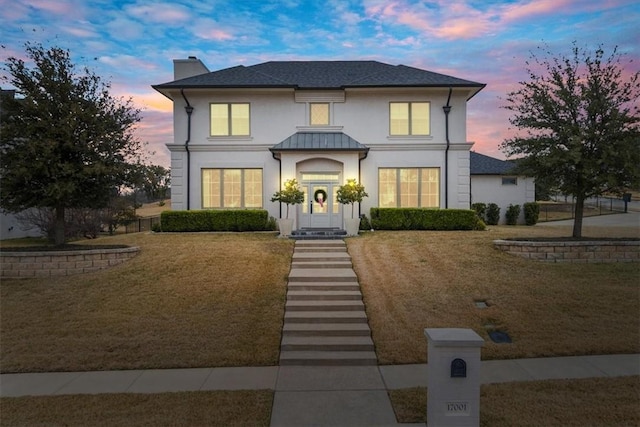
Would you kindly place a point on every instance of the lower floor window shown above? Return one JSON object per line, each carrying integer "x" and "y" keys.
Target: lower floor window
{"x": 231, "y": 188}
{"x": 409, "y": 187}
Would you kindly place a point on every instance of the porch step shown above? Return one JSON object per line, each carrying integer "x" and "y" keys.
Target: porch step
{"x": 324, "y": 305}
{"x": 318, "y": 249}
{"x": 321, "y": 264}
{"x": 342, "y": 256}
{"x": 320, "y": 233}
{"x": 317, "y": 343}
{"x": 321, "y": 242}
{"x": 324, "y": 286}
{"x": 324, "y": 295}
{"x": 328, "y": 358}
{"x": 326, "y": 329}
{"x": 322, "y": 275}
{"x": 325, "y": 317}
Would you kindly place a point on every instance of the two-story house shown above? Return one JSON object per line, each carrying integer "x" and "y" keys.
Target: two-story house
{"x": 241, "y": 132}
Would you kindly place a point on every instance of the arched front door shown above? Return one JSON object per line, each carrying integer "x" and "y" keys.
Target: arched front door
{"x": 320, "y": 209}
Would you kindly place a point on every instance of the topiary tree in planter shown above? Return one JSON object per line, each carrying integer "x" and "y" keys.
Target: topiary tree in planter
{"x": 349, "y": 194}
{"x": 291, "y": 194}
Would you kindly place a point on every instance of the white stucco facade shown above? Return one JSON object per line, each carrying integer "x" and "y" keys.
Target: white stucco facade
{"x": 360, "y": 113}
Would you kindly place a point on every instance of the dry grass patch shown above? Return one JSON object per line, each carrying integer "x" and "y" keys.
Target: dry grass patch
{"x": 591, "y": 402}
{"x": 187, "y": 300}
{"x": 416, "y": 280}
{"x": 210, "y": 408}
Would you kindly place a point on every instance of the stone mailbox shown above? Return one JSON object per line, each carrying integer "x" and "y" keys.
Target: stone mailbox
{"x": 453, "y": 377}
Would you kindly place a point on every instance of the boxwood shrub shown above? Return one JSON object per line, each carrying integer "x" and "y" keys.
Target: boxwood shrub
{"x": 481, "y": 210}
{"x": 215, "y": 220}
{"x": 513, "y": 212}
{"x": 531, "y": 213}
{"x": 493, "y": 214}
{"x": 425, "y": 219}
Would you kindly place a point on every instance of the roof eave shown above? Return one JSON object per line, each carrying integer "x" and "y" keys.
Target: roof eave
{"x": 364, "y": 152}
{"x": 479, "y": 88}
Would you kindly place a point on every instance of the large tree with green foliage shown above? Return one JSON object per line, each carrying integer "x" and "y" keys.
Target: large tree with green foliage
{"x": 65, "y": 141}
{"x": 579, "y": 124}
{"x": 155, "y": 181}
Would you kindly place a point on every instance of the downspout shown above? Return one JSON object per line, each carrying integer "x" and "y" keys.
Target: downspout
{"x": 189, "y": 110}
{"x": 279, "y": 175}
{"x": 447, "y": 110}
{"x": 366, "y": 154}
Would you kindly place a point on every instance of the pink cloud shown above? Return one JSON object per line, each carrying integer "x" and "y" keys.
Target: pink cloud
{"x": 80, "y": 30}
{"x": 70, "y": 9}
{"x": 216, "y": 34}
{"x": 162, "y": 13}
{"x": 460, "y": 19}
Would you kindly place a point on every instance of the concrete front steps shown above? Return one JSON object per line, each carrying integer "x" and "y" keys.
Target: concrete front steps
{"x": 324, "y": 322}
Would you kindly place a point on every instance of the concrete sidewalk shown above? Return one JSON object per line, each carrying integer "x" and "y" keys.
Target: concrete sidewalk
{"x": 629, "y": 219}
{"x": 356, "y": 394}
{"x": 309, "y": 378}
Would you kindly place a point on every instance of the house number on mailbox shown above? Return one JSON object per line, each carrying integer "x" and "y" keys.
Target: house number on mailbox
{"x": 458, "y": 368}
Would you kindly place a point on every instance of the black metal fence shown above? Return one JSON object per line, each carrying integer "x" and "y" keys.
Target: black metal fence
{"x": 564, "y": 209}
{"x": 142, "y": 224}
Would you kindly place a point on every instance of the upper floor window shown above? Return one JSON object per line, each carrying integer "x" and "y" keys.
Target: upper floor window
{"x": 319, "y": 114}
{"x": 409, "y": 118}
{"x": 230, "y": 119}
{"x": 509, "y": 180}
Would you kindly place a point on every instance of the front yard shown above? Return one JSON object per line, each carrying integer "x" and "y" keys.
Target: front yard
{"x": 196, "y": 300}
{"x": 417, "y": 280}
{"x": 185, "y": 301}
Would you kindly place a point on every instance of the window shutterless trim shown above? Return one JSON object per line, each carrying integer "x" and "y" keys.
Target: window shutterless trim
{"x": 328, "y": 105}
{"x": 410, "y": 118}
{"x": 398, "y": 185}
{"x": 221, "y": 188}
{"x": 229, "y": 119}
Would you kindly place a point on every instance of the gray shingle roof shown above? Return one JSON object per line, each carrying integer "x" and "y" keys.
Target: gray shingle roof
{"x": 485, "y": 165}
{"x": 319, "y": 75}
{"x": 320, "y": 141}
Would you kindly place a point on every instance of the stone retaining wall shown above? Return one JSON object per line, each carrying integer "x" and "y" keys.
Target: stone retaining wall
{"x": 61, "y": 263}
{"x": 576, "y": 252}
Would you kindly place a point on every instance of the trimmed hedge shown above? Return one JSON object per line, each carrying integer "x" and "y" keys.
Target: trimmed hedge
{"x": 215, "y": 220}
{"x": 425, "y": 219}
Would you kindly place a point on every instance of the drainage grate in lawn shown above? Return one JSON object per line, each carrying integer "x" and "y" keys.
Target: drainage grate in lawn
{"x": 499, "y": 337}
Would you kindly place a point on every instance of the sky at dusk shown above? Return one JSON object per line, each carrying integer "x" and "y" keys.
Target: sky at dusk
{"x": 132, "y": 43}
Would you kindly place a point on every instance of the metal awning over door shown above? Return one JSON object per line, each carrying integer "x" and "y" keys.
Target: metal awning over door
{"x": 319, "y": 141}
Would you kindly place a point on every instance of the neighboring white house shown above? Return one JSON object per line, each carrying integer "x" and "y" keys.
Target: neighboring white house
{"x": 240, "y": 132}
{"x": 494, "y": 181}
